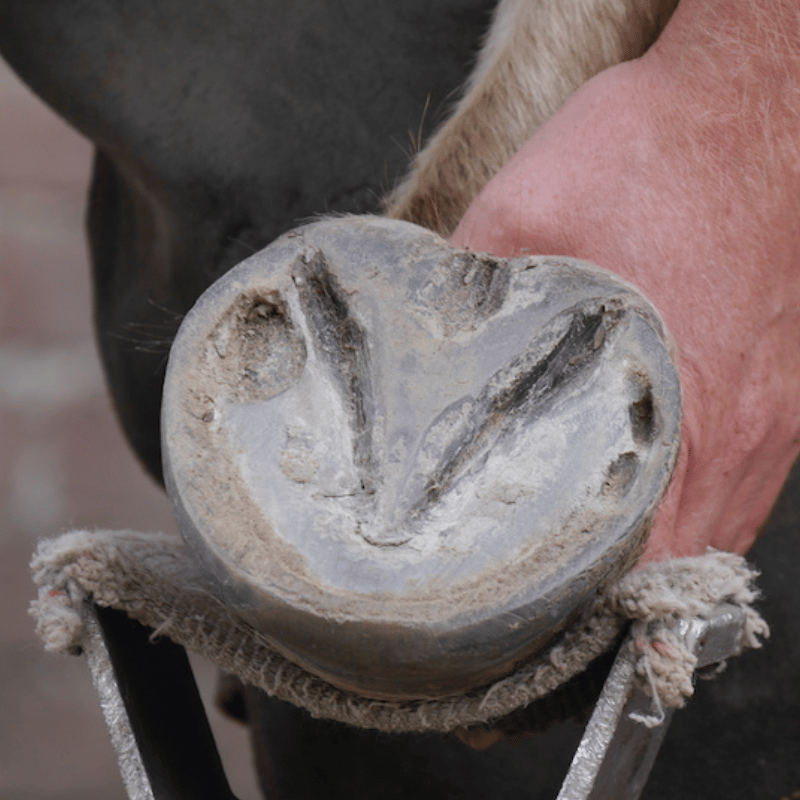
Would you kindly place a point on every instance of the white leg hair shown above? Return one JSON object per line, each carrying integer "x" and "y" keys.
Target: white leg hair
{"x": 536, "y": 54}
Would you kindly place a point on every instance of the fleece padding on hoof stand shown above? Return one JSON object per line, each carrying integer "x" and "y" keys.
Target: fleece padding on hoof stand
{"x": 152, "y": 579}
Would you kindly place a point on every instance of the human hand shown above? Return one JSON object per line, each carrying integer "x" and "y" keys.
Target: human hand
{"x": 680, "y": 171}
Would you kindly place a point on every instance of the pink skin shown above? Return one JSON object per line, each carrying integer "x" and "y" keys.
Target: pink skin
{"x": 681, "y": 172}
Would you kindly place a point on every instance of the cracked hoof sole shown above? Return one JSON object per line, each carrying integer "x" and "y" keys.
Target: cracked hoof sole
{"x": 410, "y": 466}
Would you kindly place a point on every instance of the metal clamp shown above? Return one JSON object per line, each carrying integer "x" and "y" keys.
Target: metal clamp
{"x": 616, "y": 753}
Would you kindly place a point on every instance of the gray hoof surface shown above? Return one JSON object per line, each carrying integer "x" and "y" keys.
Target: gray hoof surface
{"x": 410, "y": 466}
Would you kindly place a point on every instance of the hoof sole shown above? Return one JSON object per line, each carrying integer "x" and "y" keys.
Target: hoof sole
{"x": 409, "y": 467}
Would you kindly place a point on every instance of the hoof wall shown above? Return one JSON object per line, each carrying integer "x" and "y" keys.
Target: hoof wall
{"x": 409, "y": 467}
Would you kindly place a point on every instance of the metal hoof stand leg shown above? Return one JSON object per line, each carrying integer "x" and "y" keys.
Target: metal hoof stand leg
{"x": 165, "y": 749}
{"x": 153, "y": 711}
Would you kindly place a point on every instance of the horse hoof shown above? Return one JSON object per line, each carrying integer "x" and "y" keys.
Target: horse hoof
{"x": 409, "y": 467}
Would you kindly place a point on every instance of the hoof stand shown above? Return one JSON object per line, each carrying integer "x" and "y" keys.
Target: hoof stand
{"x": 409, "y": 467}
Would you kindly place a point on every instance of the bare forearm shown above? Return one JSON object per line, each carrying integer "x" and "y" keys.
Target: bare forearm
{"x": 753, "y": 41}
{"x": 733, "y": 71}
{"x": 729, "y": 102}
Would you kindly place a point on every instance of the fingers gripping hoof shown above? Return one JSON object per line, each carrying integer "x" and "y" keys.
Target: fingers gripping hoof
{"x": 409, "y": 466}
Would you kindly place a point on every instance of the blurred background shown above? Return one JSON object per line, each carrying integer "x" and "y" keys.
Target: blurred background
{"x": 63, "y": 462}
